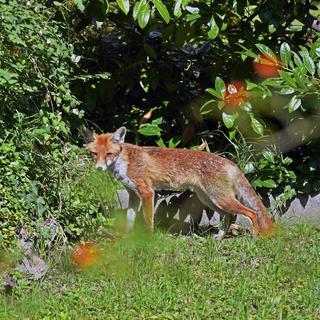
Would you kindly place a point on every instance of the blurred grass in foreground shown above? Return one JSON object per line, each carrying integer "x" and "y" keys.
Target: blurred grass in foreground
{"x": 164, "y": 277}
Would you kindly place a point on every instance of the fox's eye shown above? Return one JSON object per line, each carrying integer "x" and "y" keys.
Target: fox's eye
{"x": 108, "y": 154}
{"x": 93, "y": 154}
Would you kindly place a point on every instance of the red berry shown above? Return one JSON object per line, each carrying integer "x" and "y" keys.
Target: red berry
{"x": 266, "y": 66}
{"x": 236, "y": 94}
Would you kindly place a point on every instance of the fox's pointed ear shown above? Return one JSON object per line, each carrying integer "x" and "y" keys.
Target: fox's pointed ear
{"x": 88, "y": 136}
{"x": 119, "y": 135}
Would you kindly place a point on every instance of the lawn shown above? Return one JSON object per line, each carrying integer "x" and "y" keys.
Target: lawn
{"x": 167, "y": 277}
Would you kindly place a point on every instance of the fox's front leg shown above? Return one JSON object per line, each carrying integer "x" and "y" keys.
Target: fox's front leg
{"x": 148, "y": 208}
{"x": 133, "y": 208}
{"x": 147, "y": 197}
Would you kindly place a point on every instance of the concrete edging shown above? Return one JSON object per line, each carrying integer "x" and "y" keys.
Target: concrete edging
{"x": 182, "y": 212}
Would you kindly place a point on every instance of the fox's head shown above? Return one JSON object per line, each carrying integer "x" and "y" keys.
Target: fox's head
{"x": 104, "y": 148}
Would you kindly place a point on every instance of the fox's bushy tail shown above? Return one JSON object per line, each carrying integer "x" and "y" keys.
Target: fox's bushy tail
{"x": 250, "y": 199}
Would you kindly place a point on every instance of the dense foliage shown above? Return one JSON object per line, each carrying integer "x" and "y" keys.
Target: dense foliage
{"x": 161, "y": 56}
{"x": 42, "y": 174}
{"x": 175, "y": 73}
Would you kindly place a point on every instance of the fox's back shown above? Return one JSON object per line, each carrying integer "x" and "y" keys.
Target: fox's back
{"x": 170, "y": 168}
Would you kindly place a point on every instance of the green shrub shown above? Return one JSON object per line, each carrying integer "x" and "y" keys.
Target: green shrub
{"x": 283, "y": 157}
{"x": 36, "y": 60}
{"x": 44, "y": 176}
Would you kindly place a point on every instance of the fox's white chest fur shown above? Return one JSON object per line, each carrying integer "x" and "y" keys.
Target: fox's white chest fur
{"x": 119, "y": 168}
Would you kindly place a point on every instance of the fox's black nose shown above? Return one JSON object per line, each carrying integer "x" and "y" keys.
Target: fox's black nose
{"x": 99, "y": 168}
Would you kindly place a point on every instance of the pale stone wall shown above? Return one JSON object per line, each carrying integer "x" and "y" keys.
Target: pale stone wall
{"x": 183, "y": 212}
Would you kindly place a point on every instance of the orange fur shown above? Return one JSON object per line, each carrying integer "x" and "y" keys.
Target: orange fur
{"x": 217, "y": 181}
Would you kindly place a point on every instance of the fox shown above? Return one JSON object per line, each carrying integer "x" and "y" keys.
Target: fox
{"x": 217, "y": 181}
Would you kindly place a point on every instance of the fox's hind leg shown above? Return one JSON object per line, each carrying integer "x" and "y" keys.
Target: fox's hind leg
{"x": 230, "y": 206}
{"x": 224, "y": 216}
{"x": 227, "y": 219}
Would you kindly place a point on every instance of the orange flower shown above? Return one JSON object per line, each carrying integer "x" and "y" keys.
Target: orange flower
{"x": 266, "y": 66}
{"x": 85, "y": 255}
{"x": 236, "y": 94}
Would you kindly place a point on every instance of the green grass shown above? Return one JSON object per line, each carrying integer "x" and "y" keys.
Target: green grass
{"x": 164, "y": 277}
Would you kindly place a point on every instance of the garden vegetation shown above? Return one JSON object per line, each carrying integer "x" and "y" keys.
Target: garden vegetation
{"x": 236, "y": 77}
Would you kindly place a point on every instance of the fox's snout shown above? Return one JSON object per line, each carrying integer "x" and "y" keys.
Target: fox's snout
{"x": 101, "y": 166}
{"x": 104, "y": 165}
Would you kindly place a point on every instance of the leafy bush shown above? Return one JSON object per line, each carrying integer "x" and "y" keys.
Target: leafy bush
{"x": 160, "y": 57}
{"x": 292, "y": 94}
{"x": 36, "y": 60}
{"x": 44, "y": 176}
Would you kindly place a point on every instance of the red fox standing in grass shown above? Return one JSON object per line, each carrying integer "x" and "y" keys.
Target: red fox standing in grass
{"x": 217, "y": 181}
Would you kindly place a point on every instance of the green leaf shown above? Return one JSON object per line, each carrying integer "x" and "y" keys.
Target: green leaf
{"x": 193, "y": 17}
{"x": 144, "y": 16}
{"x": 269, "y": 183}
{"x": 185, "y": 3}
{"x": 161, "y": 143}
{"x": 17, "y": 40}
{"x": 8, "y": 76}
{"x": 162, "y": 9}
{"x": 287, "y": 160}
{"x": 286, "y": 91}
{"x": 79, "y": 4}
{"x": 150, "y": 129}
{"x": 214, "y": 29}
{"x": 285, "y": 53}
{"x": 124, "y": 5}
{"x": 207, "y": 107}
{"x": 157, "y": 121}
{"x": 247, "y": 106}
{"x": 286, "y": 76}
{"x": 297, "y": 59}
{"x": 251, "y": 85}
{"x": 247, "y": 52}
{"x": 193, "y": 9}
{"x": 173, "y": 142}
{"x": 265, "y": 50}
{"x": 317, "y": 52}
{"x": 213, "y": 92}
{"x": 177, "y": 8}
{"x": 269, "y": 155}
{"x": 232, "y": 134}
{"x": 256, "y": 125}
{"x": 137, "y": 8}
{"x": 273, "y": 82}
{"x": 294, "y": 104}
{"x": 228, "y": 119}
{"x": 300, "y": 76}
{"x": 309, "y": 64}
{"x": 220, "y": 87}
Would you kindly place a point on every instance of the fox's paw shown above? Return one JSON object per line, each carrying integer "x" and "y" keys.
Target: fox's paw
{"x": 219, "y": 236}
